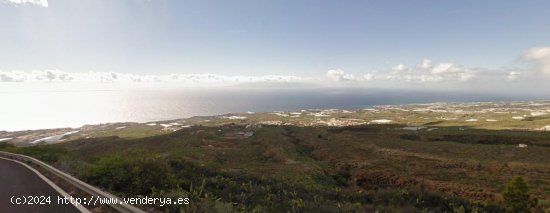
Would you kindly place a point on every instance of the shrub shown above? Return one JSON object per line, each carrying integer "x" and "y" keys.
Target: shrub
{"x": 516, "y": 196}
{"x": 6, "y": 145}
{"x": 135, "y": 173}
{"x": 46, "y": 153}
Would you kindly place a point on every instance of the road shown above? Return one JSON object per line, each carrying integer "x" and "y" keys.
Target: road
{"x": 18, "y": 180}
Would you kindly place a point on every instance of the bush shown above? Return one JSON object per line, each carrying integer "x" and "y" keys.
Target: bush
{"x": 46, "y": 153}
{"x": 134, "y": 173}
{"x": 6, "y": 145}
{"x": 516, "y": 196}
{"x": 411, "y": 137}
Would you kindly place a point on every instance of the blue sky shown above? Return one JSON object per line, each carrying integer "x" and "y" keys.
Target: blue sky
{"x": 259, "y": 37}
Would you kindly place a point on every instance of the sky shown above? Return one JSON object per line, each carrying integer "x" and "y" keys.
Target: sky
{"x": 437, "y": 44}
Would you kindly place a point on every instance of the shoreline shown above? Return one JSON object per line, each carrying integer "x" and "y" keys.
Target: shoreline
{"x": 516, "y": 116}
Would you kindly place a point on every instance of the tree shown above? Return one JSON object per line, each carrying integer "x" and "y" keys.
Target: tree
{"x": 516, "y": 196}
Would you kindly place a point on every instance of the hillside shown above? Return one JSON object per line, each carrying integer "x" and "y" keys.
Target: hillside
{"x": 393, "y": 158}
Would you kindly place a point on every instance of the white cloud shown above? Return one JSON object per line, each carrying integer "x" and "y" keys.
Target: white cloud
{"x": 425, "y": 71}
{"x": 513, "y": 75}
{"x": 445, "y": 68}
{"x": 426, "y": 74}
{"x": 541, "y": 56}
{"x": 340, "y": 75}
{"x": 425, "y": 64}
{"x": 112, "y": 77}
{"x": 399, "y": 67}
{"x": 43, "y": 3}
{"x": 466, "y": 75}
{"x": 438, "y": 73}
{"x": 369, "y": 77}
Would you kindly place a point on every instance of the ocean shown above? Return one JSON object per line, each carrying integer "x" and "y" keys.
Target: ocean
{"x": 37, "y": 109}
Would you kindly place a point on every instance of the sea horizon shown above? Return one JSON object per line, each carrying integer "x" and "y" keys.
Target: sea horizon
{"x": 39, "y": 109}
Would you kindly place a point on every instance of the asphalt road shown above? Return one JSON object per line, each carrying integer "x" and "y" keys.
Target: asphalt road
{"x": 17, "y": 180}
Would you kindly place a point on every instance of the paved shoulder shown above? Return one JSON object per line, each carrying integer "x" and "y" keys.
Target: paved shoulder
{"x": 17, "y": 180}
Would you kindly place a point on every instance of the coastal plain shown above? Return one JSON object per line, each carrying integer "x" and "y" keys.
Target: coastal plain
{"x": 433, "y": 157}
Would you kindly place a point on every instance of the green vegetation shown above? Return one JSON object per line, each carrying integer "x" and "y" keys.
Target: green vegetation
{"x": 516, "y": 196}
{"x": 134, "y": 173}
{"x": 6, "y": 146}
{"x": 315, "y": 169}
{"x": 49, "y": 154}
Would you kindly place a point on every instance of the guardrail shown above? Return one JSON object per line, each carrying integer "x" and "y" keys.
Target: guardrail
{"x": 121, "y": 207}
